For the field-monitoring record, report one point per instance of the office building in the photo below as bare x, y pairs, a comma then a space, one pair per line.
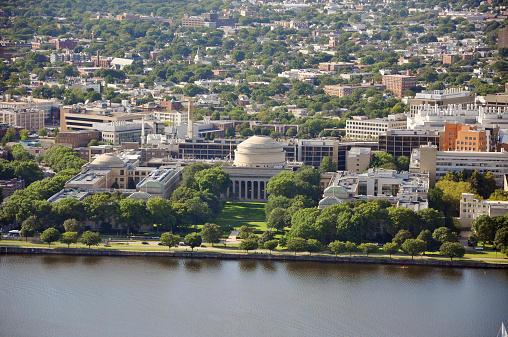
361, 127
75, 139
440, 98
342, 90
402, 142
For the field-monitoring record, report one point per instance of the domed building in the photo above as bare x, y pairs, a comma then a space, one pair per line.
107, 160
260, 151
257, 159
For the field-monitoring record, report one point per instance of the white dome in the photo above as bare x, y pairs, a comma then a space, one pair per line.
259, 151
107, 160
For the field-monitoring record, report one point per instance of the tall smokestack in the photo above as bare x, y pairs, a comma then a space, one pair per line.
142, 130
190, 120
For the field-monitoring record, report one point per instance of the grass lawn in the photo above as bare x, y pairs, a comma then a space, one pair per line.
252, 211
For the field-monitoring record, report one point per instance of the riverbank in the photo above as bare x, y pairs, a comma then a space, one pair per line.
255, 256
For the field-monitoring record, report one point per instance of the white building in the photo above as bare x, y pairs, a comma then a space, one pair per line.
471, 208
360, 127
172, 116
404, 189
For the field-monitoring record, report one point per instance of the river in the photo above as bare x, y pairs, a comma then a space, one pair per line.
131, 296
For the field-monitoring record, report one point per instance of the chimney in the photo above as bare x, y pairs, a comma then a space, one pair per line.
190, 120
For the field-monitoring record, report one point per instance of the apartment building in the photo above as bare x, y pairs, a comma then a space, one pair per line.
398, 84
342, 90
173, 117
360, 127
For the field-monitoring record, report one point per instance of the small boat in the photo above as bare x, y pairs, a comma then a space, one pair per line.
404, 267
502, 332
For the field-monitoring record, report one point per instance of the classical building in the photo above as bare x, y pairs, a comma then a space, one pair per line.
257, 159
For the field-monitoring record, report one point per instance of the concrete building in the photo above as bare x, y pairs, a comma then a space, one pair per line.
360, 127
438, 163
30, 103
358, 159
92, 152
84, 117
342, 90
399, 83
32, 120
119, 132
426, 115
440, 98
75, 139
172, 116
471, 209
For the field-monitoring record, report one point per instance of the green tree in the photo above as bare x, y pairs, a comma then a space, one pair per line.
50, 235
296, 244
211, 233
29, 227
444, 234
426, 236
452, 249
338, 247
391, 248
351, 247
68, 238
413, 247
90, 238
271, 244
23, 134
132, 213
72, 225
313, 246
368, 248
161, 213
170, 240
245, 231
402, 236
302, 223
248, 244
501, 238
192, 240
43, 132
403, 163
327, 165
402, 218
282, 184
278, 219
215, 180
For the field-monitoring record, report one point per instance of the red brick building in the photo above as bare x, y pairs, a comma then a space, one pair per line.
76, 139
399, 83
65, 44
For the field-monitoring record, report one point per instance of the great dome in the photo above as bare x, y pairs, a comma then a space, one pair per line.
259, 151
108, 160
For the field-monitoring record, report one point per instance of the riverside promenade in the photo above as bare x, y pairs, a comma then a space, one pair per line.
405, 262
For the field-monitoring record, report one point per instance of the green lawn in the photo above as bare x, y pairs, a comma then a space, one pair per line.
252, 211
237, 214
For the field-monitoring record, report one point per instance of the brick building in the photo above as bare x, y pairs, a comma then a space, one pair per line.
502, 38
342, 90
399, 83
76, 139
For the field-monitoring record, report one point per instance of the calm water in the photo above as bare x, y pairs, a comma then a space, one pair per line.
96, 296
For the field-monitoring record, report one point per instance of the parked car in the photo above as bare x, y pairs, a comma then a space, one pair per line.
144, 243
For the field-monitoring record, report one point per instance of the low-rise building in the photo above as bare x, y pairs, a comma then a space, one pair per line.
471, 209
342, 90
402, 142
404, 189
9, 186
440, 98
75, 139
29, 119
398, 84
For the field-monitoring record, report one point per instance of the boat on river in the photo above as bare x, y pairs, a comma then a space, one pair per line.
502, 332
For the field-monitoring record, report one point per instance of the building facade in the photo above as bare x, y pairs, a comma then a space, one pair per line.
398, 84
360, 127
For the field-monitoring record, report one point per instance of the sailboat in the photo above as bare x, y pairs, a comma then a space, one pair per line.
502, 332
